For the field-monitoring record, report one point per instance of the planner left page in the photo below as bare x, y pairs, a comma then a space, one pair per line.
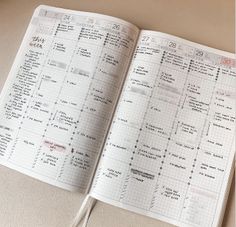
60, 94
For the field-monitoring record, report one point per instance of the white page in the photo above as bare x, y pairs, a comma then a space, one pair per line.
170, 148
59, 98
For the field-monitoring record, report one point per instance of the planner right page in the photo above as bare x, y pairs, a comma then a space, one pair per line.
170, 150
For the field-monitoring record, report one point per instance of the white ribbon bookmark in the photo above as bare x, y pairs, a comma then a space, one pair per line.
84, 212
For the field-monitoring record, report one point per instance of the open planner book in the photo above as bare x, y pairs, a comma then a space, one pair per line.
138, 119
